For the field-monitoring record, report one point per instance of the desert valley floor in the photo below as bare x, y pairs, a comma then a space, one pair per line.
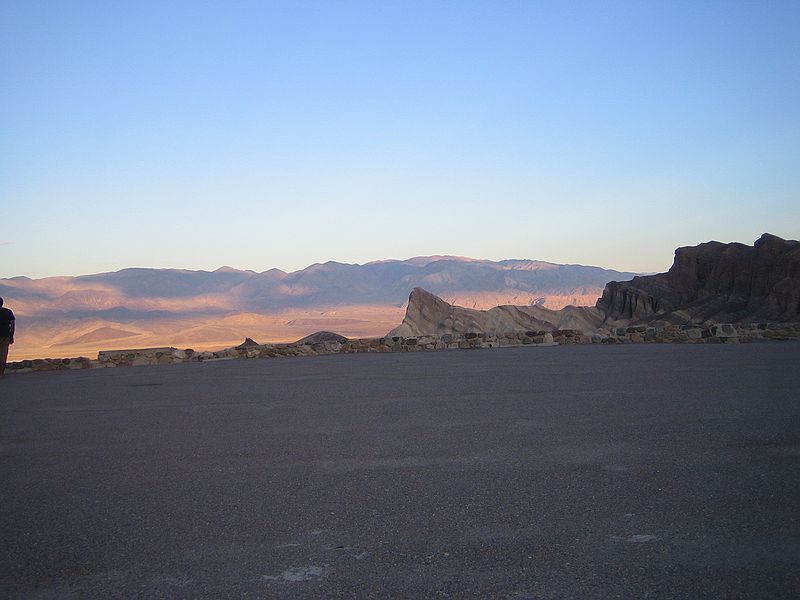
656, 471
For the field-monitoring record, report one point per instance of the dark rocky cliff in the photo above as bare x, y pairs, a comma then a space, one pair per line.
714, 282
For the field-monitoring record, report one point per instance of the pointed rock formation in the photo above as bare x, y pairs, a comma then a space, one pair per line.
427, 314
247, 343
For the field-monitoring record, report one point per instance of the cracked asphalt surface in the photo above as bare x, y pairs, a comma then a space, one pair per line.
646, 471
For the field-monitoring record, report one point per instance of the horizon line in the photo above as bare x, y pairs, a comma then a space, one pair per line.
223, 268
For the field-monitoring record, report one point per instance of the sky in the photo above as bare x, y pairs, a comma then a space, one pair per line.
279, 134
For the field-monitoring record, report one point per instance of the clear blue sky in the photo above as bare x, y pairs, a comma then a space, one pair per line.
257, 134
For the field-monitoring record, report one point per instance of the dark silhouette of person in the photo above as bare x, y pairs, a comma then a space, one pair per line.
7, 328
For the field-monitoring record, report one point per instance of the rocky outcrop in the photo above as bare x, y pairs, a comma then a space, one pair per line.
708, 284
427, 314
322, 336
714, 283
247, 343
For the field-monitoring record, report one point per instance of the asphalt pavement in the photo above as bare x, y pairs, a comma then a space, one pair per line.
640, 471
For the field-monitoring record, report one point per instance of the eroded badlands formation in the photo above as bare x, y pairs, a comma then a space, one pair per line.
707, 284
428, 314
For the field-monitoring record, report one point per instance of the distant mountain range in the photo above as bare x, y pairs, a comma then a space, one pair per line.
60, 316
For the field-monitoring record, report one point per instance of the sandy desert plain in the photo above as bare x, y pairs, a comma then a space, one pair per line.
87, 337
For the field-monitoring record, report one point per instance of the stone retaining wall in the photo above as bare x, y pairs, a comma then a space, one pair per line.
715, 334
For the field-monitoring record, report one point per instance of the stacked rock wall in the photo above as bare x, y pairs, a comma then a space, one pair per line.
721, 333
641, 334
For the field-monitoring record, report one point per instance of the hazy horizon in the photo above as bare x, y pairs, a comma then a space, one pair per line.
357, 264
322, 262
